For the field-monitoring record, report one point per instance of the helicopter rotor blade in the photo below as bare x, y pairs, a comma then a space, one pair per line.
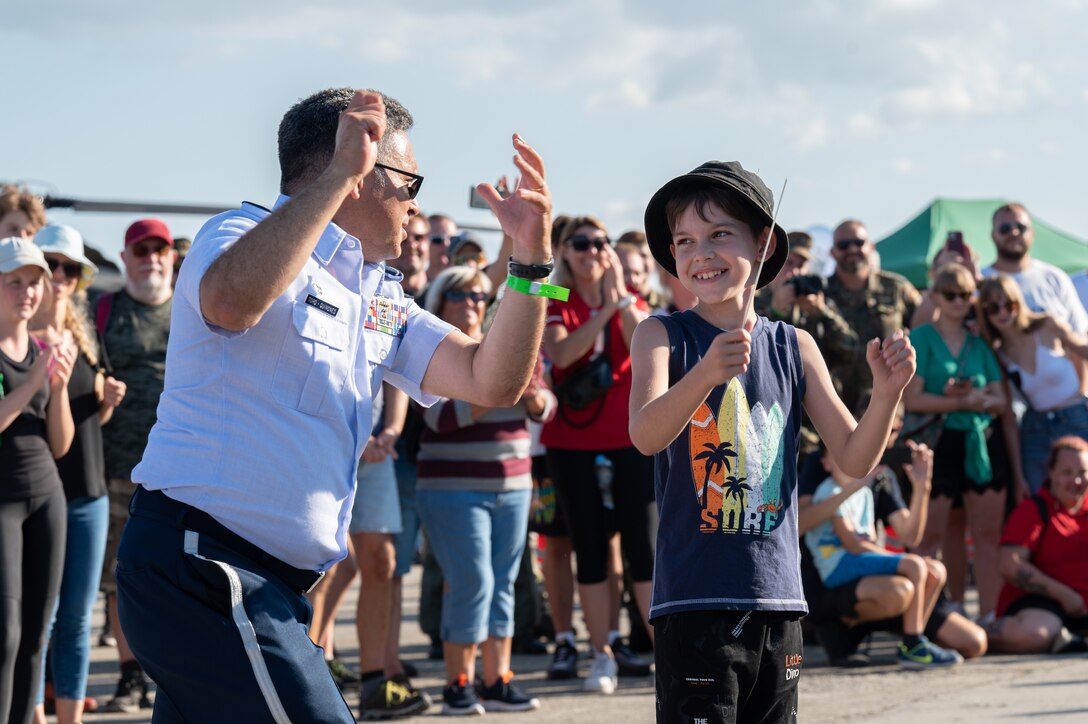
140, 207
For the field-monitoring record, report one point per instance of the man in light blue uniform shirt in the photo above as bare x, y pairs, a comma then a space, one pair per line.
285, 323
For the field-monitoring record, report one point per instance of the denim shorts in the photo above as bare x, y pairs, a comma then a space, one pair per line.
853, 566
1039, 430
478, 538
377, 502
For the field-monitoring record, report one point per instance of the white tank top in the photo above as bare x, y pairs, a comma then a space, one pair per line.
1054, 382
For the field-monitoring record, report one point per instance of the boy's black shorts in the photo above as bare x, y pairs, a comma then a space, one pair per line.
727, 666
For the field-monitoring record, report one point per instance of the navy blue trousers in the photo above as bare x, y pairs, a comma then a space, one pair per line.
224, 639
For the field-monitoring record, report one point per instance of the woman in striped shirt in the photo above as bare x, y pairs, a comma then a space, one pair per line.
473, 498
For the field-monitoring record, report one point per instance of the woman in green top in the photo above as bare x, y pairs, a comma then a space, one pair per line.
958, 380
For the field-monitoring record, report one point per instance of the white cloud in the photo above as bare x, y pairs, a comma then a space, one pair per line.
629, 95
902, 166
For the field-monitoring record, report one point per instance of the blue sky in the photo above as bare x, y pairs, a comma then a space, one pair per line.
870, 108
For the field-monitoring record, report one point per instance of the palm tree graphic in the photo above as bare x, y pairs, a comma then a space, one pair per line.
716, 456
736, 488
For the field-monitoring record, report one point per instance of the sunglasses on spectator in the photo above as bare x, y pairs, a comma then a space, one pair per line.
445, 239
844, 244
993, 307
583, 242
952, 296
415, 180
71, 269
141, 250
1007, 228
460, 295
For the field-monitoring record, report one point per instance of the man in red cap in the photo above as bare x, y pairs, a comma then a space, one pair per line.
135, 324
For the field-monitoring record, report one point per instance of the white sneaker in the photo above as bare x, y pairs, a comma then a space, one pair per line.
602, 675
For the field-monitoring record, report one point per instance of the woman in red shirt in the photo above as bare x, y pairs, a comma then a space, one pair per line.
598, 320
1044, 604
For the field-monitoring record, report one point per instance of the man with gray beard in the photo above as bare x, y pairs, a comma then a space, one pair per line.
135, 325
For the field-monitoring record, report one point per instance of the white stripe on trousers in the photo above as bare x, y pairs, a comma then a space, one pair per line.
245, 629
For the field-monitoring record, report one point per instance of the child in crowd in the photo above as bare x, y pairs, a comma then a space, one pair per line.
716, 397
845, 549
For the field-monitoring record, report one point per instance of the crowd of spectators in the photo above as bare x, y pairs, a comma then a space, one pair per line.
991, 453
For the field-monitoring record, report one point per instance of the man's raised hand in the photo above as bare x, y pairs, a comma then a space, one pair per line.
526, 214
361, 126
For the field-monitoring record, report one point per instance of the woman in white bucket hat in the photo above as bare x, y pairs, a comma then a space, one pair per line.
62, 319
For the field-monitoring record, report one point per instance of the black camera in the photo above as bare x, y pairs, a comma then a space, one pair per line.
808, 284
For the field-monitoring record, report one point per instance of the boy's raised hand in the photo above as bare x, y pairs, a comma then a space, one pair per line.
892, 362
727, 357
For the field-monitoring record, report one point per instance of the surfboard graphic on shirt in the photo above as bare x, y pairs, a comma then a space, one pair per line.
737, 464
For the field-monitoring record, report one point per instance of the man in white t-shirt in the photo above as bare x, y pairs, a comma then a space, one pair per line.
1046, 288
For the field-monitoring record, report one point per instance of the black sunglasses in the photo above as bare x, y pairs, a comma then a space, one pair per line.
844, 244
1007, 228
460, 295
414, 184
72, 270
994, 308
953, 296
583, 242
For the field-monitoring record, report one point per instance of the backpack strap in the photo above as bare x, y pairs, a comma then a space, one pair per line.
102, 310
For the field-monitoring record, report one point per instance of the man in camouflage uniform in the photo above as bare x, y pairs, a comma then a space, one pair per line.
135, 324
874, 303
812, 312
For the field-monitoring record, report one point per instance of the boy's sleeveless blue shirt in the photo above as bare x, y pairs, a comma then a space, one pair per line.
727, 486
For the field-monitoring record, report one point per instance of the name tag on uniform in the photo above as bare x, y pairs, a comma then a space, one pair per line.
322, 305
386, 316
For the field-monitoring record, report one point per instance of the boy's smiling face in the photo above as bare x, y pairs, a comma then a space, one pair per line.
716, 256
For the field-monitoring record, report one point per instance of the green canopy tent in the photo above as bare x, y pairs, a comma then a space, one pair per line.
910, 249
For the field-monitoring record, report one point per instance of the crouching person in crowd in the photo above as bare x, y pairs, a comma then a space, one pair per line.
842, 616
1044, 603
844, 548
475, 483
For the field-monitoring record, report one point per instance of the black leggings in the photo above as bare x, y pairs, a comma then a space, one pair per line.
574, 474
32, 535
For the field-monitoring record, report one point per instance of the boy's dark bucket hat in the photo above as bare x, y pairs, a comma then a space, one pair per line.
730, 175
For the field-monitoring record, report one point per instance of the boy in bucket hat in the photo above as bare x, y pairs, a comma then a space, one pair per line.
716, 397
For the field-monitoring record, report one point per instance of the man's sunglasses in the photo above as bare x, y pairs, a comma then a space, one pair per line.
72, 269
994, 307
1007, 228
952, 296
582, 243
141, 250
844, 244
460, 295
414, 184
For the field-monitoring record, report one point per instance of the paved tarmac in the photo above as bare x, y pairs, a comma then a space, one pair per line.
995, 689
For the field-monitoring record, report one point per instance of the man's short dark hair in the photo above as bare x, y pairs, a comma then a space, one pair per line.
1011, 206
307, 135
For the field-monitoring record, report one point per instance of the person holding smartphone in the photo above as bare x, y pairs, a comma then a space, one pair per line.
959, 380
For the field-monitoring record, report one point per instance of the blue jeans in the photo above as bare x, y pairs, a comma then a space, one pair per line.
478, 539
1039, 430
70, 627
